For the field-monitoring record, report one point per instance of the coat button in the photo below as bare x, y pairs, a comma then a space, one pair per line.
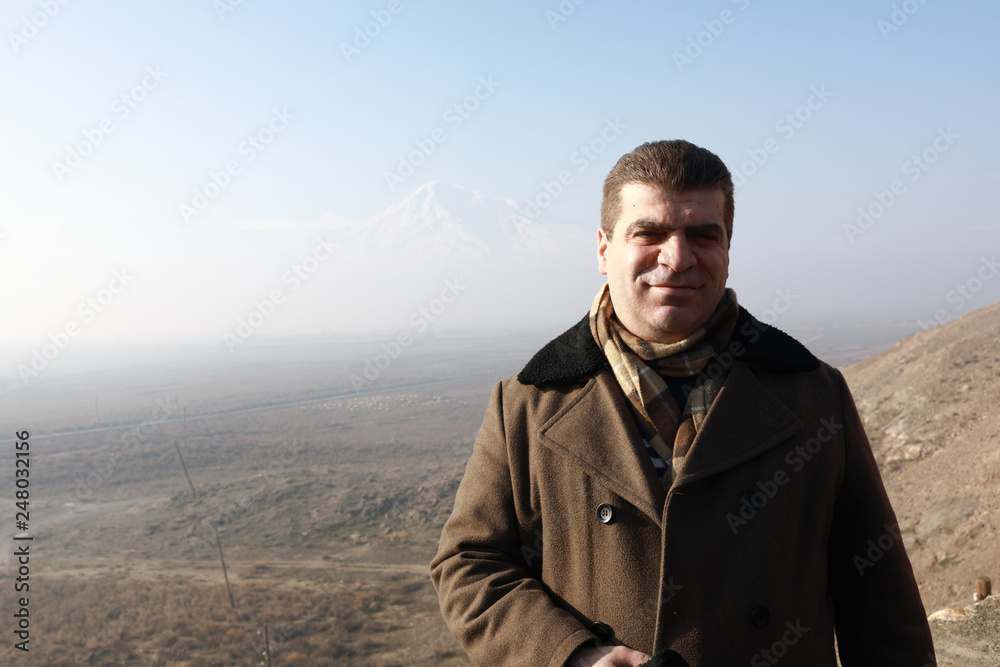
605, 513
605, 633
753, 499
760, 616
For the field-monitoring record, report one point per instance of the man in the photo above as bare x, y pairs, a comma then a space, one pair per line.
671, 473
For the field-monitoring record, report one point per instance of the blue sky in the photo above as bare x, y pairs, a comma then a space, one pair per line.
881, 93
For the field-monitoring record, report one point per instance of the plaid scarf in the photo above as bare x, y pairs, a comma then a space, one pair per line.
639, 365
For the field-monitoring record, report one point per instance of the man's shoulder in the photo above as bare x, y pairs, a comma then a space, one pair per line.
573, 356
769, 348
569, 358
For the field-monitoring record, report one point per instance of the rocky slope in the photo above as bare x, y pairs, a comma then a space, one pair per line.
930, 410
968, 636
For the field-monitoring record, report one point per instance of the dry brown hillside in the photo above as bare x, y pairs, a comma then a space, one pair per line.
930, 407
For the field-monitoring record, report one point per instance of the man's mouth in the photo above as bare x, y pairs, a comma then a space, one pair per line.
679, 288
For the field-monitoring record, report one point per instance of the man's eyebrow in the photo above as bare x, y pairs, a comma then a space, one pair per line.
656, 225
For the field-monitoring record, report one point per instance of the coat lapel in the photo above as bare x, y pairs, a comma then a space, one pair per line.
599, 434
744, 421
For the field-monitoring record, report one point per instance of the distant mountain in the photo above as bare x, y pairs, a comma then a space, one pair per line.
930, 410
514, 272
453, 224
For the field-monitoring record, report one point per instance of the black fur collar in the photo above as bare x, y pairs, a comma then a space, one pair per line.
573, 355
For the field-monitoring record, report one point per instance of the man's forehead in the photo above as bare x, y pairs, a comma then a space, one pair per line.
637, 193
649, 206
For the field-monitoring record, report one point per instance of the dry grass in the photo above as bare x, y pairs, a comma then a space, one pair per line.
101, 620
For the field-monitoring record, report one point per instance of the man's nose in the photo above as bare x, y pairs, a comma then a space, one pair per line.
676, 253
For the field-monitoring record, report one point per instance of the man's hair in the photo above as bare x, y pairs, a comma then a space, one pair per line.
677, 166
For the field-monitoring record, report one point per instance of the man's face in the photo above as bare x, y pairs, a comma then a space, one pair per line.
667, 262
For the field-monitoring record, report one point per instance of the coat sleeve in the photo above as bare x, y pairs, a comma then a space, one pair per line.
496, 609
880, 619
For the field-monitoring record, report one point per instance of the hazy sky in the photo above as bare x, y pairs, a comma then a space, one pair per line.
172, 161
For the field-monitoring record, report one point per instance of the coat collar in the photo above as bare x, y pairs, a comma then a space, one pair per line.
745, 420
574, 355
598, 413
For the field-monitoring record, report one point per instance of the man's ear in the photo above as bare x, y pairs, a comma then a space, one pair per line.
602, 248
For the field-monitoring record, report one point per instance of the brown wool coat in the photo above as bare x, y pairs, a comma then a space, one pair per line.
776, 533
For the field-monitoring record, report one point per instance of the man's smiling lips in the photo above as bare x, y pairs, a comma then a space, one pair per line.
671, 288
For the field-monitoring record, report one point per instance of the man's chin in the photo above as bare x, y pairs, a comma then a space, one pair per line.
669, 324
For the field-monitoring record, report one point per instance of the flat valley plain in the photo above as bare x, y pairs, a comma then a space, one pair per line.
326, 497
